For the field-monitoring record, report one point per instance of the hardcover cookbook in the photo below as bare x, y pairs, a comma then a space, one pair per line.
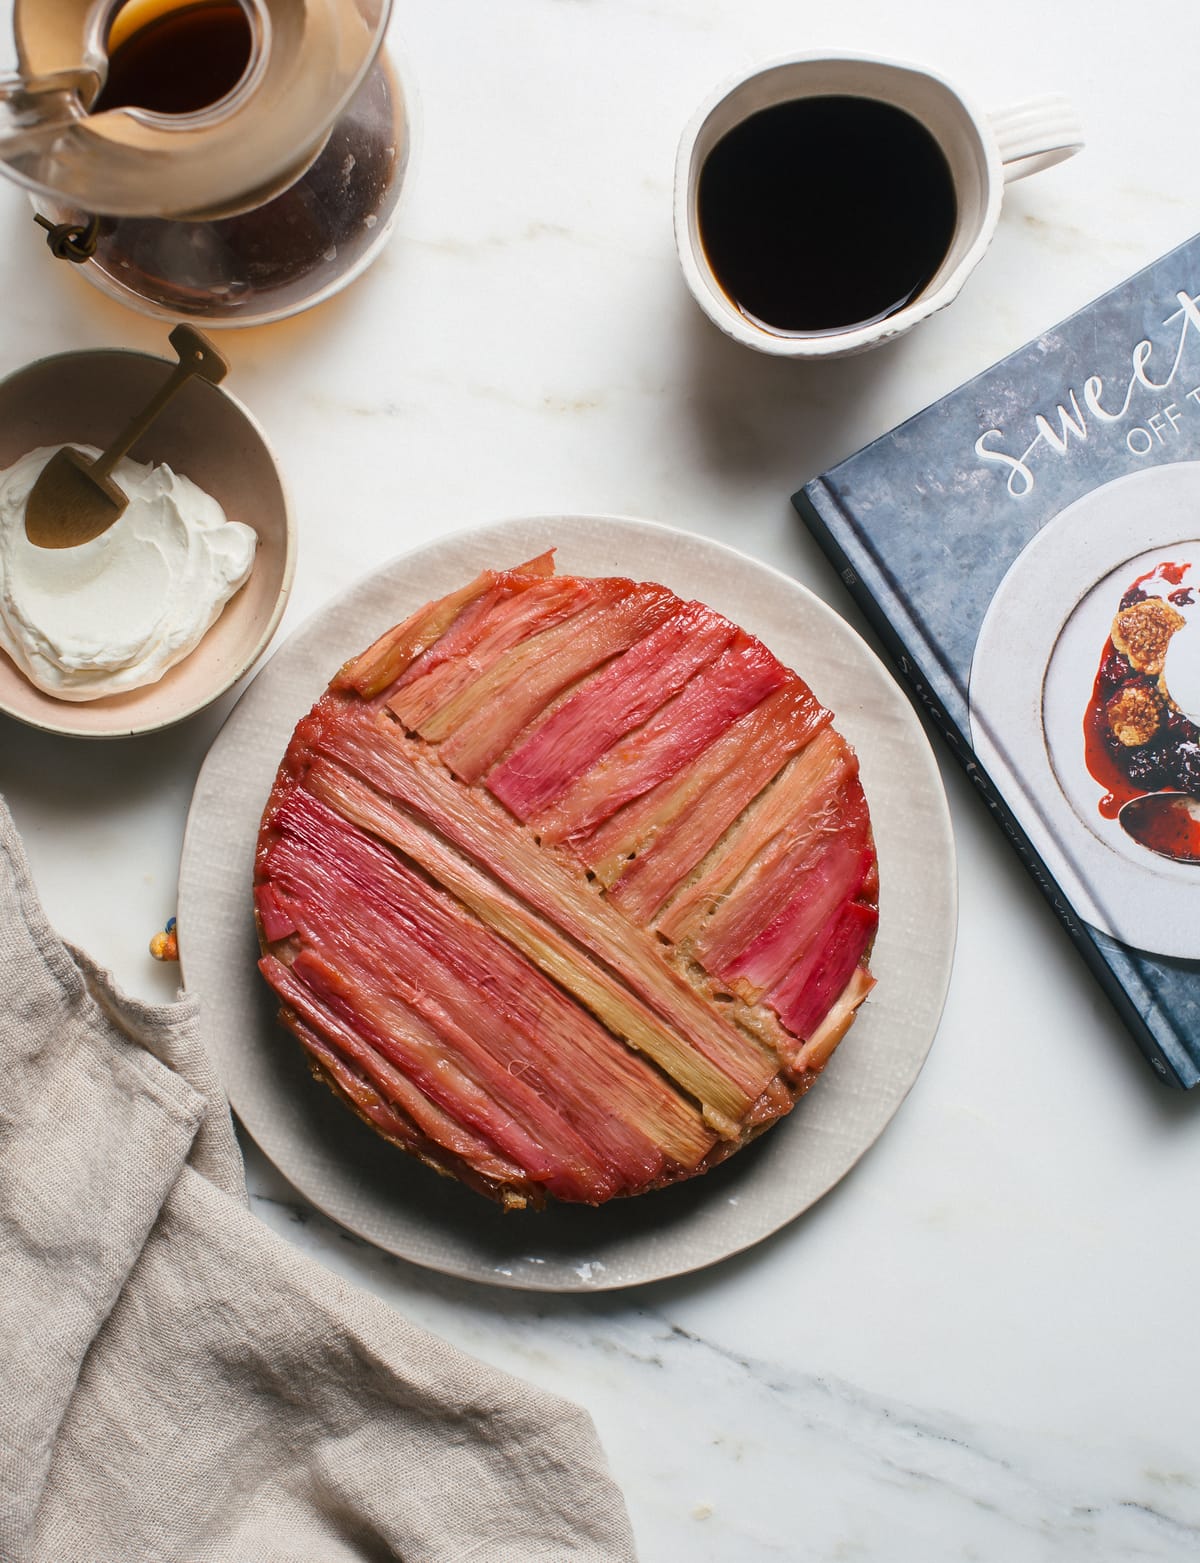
1028, 550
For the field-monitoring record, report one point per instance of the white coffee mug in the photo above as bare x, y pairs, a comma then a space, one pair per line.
984, 152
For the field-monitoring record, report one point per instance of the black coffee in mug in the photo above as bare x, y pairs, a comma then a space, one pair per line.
824, 213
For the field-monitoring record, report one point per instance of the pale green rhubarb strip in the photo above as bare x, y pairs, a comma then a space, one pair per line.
476, 642
818, 1050
713, 698
784, 807
477, 726
835, 876
836, 864
490, 1033
375, 669
823, 817
606, 707
570, 932
647, 850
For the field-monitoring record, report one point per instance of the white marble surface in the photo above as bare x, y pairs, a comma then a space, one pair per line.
982, 1345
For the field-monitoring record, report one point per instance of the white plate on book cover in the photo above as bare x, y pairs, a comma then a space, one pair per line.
372, 1189
1032, 677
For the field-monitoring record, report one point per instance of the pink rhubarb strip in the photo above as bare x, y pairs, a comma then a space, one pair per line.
829, 836
605, 707
742, 675
804, 997
651, 846
375, 669
477, 641
490, 714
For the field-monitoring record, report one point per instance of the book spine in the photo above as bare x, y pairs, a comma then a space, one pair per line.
926, 700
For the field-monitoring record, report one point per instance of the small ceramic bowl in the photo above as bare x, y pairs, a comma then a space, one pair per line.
205, 434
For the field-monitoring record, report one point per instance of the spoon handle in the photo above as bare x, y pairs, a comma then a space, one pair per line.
197, 356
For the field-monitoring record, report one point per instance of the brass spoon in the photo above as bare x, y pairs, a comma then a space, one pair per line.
1166, 822
75, 498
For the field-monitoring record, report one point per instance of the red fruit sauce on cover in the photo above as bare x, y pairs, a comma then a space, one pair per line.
1128, 772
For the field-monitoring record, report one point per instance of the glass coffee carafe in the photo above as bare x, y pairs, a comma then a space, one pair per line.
228, 161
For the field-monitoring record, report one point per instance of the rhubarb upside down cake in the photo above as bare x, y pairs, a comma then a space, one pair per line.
567, 886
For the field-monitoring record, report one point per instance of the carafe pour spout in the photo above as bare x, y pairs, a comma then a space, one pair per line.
36, 110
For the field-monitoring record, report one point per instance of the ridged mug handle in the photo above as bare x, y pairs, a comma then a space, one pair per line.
1035, 134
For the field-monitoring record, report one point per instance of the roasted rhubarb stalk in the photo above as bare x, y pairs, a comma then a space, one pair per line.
567, 887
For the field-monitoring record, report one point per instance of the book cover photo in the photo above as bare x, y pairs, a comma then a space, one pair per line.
1028, 550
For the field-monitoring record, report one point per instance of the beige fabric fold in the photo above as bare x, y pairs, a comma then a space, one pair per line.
177, 1384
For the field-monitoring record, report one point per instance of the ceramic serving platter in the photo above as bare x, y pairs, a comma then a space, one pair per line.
375, 1191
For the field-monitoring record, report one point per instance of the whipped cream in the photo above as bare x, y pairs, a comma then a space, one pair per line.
1181, 670
115, 613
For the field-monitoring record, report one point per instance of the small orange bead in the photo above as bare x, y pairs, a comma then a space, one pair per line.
165, 946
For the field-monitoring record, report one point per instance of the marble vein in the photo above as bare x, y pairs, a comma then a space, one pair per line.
875, 1476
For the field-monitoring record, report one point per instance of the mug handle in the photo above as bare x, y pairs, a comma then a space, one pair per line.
1035, 134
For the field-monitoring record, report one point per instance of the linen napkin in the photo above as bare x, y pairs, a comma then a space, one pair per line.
179, 1385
